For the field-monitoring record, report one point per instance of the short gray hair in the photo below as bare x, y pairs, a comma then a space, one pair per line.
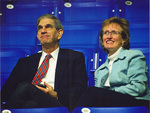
58, 25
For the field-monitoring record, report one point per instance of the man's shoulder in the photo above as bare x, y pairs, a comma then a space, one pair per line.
70, 51
33, 56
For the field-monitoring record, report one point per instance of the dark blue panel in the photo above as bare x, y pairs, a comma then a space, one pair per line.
137, 12
18, 38
88, 14
80, 36
139, 36
24, 16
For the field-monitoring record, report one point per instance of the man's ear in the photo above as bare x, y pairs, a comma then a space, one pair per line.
60, 33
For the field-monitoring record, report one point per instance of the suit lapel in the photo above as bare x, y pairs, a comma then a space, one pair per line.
34, 62
61, 62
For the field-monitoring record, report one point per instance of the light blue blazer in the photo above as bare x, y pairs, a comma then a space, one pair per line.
128, 75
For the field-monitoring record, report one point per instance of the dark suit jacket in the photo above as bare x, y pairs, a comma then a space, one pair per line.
70, 78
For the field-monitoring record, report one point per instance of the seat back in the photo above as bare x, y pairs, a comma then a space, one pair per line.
9, 58
139, 109
37, 110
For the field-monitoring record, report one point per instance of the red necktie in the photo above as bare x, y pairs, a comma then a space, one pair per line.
41, 71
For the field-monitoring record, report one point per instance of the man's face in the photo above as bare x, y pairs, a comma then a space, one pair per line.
47, 33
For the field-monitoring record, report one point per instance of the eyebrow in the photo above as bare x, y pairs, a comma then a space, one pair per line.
47, 25
110, 31
39, 26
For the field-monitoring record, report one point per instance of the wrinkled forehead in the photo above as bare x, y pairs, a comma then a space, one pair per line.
46, 21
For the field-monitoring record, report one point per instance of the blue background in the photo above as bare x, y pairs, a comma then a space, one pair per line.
82, 23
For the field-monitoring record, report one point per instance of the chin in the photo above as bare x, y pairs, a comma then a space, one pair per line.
109, 47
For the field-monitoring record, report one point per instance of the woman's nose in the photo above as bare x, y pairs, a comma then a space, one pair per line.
109, 35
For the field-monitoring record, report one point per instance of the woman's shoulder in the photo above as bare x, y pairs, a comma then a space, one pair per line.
132, 52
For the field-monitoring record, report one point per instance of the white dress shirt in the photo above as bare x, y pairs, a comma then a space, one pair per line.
50, 75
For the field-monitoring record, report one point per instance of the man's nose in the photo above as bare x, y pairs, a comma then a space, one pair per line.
43, 31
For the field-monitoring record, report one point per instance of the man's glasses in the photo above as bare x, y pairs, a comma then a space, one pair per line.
113, 33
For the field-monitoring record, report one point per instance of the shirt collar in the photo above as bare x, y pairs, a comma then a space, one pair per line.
54, 54
122, 55
114, 56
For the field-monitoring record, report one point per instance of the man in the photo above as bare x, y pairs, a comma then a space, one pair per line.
65, 78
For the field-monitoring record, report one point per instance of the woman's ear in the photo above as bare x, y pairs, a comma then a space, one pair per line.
122, 42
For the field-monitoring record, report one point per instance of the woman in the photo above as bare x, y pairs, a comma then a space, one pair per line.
122, 80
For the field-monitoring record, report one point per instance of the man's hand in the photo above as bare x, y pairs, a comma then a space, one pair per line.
49, 89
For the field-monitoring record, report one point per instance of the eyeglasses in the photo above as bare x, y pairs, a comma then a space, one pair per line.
113, 33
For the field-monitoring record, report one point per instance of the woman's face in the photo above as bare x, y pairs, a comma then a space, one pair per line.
112, 39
